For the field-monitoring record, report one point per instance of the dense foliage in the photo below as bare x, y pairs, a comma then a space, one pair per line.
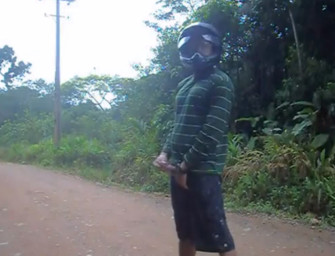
280, 55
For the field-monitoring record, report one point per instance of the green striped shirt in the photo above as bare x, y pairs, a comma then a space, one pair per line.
202, 113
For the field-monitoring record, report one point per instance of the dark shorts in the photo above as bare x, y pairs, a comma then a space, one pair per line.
199, 214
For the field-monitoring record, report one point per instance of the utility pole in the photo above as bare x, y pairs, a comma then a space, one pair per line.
57, 105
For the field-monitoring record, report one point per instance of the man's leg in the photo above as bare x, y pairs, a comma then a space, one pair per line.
183, 218
212, 232
230, 253
186, 248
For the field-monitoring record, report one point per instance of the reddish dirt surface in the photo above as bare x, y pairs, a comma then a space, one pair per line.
45, 213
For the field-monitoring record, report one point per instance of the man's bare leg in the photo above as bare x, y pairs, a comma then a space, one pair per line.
186, 248
230, 253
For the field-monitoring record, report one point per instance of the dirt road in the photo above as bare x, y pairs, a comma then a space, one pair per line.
44, 213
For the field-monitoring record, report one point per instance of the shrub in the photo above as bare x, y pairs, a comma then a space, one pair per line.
288, 176
29, 129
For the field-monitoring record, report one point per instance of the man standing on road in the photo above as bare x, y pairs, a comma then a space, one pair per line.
195, 151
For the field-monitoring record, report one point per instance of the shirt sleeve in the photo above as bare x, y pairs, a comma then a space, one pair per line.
215, 126
167, 145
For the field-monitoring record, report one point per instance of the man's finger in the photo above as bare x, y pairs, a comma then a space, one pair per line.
164, 166
158, 162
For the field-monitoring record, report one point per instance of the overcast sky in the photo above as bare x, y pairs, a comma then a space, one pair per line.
100, 36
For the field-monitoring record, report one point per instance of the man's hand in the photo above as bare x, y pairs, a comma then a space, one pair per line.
161, 162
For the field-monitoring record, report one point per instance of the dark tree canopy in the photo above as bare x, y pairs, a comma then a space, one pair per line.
10, 68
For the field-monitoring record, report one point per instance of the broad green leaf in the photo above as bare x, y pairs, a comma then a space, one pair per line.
252, 120
320, 140
252, 143
303, 103
285, 104
267, 131
298, 128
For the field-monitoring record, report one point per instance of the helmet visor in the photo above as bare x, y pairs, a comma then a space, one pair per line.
188, 46
213, 39
183, 41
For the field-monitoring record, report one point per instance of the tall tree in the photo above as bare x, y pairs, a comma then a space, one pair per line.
10, 69
101, 90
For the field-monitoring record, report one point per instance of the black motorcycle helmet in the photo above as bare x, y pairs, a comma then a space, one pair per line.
187, 46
